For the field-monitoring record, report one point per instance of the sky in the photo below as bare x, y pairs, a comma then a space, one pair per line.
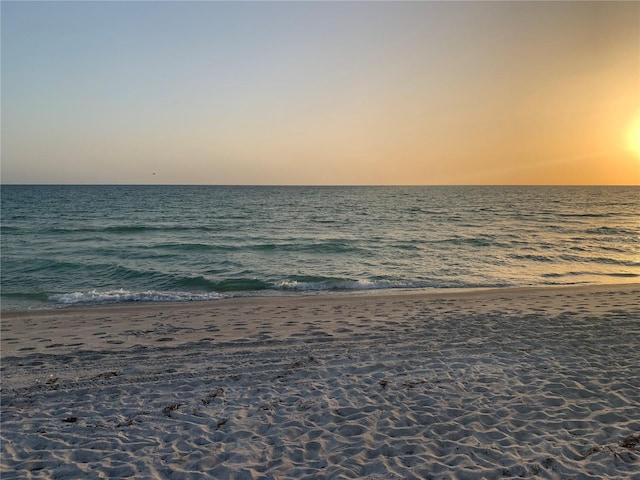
320, 93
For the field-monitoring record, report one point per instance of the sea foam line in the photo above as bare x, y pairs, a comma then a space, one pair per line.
122, 295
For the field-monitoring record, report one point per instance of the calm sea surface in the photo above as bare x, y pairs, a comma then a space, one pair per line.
107, 244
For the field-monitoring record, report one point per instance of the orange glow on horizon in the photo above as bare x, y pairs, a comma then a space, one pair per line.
633, 136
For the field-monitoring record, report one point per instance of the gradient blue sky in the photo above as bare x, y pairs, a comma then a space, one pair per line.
321, 92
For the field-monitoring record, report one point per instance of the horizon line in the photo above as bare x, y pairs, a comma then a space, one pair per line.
323, 185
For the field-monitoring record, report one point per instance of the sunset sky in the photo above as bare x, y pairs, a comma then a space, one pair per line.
321, 92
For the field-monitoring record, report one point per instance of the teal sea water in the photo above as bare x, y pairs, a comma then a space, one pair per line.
64, 245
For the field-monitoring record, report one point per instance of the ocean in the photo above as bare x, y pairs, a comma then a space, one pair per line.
72, 245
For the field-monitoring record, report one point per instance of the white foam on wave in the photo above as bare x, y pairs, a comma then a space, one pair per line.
122, 296
324, 285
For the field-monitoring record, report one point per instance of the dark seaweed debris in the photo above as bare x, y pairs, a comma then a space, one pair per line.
630, 442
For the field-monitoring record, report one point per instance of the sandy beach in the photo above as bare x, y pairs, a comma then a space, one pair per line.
505, 383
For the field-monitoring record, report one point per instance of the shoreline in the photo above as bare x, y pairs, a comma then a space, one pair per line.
320, 295
21, 330
509, 382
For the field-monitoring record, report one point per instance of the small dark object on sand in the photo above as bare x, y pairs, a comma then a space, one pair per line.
222, 422
105, 376
219, 391
171, 408
630, 442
